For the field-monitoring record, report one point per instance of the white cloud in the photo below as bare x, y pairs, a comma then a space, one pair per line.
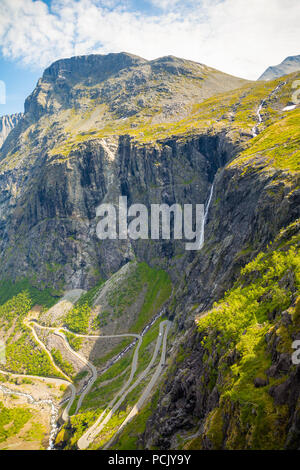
237, 36
165, 4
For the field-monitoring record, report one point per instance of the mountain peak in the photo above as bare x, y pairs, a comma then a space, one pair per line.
89, 65
288, 65
125, 84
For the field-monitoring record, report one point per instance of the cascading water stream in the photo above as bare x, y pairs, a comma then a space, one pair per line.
205, 216
259, 116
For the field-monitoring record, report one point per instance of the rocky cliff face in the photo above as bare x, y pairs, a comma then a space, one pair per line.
200, 406
7, 123
57, 210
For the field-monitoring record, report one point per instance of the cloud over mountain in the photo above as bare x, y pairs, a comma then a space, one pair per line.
235, 36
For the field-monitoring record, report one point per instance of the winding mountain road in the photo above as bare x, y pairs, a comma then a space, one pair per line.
65, 414
94, 430
87, 363
87, 438
146, 393
58, 332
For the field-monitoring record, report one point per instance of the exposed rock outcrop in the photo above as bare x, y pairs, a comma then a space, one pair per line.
7, 123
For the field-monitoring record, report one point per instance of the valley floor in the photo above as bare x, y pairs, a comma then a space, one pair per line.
110, 420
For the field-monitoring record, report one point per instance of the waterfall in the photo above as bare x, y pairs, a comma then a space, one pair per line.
259, 116
205, 216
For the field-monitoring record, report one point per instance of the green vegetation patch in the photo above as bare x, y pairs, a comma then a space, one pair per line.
237, 327
278, 145
36, 432
15, 309
64, 365
78, 318
23, 355
12, 420
110, 428
9, 289
78, 425
153, 284
74, 341
129, 437
99, 361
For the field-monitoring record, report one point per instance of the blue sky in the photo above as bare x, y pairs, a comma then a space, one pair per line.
19, 81
240, 37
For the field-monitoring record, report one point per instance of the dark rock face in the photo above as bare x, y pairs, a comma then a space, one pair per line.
55, 215
259, 382
243, 216
189, 395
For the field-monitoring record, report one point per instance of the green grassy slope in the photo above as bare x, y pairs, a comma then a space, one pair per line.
248, 324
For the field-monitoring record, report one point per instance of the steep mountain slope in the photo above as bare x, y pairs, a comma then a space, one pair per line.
7, 123
288, 65
231, 381
67, 154
168, 131
233, 384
